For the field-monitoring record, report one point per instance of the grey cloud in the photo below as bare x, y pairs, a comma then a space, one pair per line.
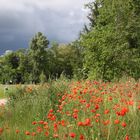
18, 26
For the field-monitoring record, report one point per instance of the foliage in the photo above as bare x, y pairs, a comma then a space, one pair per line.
15, 67
37, 53
39, 63
77, 59
112, 44
42, 78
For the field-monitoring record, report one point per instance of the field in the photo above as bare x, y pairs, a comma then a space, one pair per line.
2, 91
66, 110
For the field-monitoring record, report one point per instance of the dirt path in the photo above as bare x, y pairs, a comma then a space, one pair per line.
3, 101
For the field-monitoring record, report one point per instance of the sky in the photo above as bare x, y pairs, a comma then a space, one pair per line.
59, 20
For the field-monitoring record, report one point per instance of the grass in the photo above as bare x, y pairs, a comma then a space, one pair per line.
65, 110
2, 95
6, 89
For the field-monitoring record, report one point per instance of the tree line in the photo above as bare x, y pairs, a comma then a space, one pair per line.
108, 48
39, 62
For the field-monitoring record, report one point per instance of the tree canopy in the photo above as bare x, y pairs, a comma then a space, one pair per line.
112, 46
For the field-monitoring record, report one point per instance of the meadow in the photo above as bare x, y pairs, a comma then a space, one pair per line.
2, 91
66, 110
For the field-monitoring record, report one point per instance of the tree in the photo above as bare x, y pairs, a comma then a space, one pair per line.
16, 66
10, 63
24, 67
112, 45
76, 59
62, 57
93, 14
38, 54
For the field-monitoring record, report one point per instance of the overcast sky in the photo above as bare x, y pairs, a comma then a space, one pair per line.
59, 20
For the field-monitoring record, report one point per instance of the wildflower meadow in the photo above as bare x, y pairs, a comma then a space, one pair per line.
66, 110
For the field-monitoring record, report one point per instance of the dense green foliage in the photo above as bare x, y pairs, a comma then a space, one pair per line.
37, 54
112, 44
39, 62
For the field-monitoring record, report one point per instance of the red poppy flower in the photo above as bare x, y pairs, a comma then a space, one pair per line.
81, 137
39, 129
27, 133
55, 125
116, 121
55, 135
1, 131
96, 106
87, 122
41, 122
63, 123
75, 115
17, 131
46, 133
106, 122
106, 111
33, 123
72, 135
124, 124
80, 124
127, 137
33, 134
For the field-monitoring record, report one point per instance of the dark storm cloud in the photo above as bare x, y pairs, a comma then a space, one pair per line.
19, 21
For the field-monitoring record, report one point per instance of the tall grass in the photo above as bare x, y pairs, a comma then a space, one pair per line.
2, 95
29, 103
5, 90
80, 110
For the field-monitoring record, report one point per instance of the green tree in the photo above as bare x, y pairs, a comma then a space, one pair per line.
9, 66
24, 67
76, 59
62, 60
38, 55
93, 14
112, 45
